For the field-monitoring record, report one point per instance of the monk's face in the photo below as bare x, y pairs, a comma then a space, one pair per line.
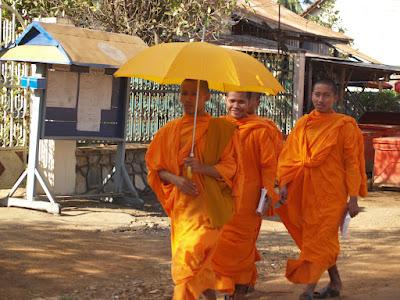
188, 97
237, 104
323, 97
254, 102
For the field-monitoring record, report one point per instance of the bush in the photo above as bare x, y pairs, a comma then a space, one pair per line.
380, 101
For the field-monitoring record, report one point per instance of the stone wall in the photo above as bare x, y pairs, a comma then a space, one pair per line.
12, 164
95, 163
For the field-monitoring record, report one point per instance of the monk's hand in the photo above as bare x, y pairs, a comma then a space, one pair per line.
186, 186
352, 206
283, 193
194, 164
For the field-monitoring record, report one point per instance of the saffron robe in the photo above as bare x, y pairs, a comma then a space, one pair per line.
193, 238
236, 254
322, 163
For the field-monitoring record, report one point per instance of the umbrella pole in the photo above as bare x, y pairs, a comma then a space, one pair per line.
191, 154
195, 118
197, 101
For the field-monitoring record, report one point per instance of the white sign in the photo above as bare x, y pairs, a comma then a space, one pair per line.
62, 89
95, 91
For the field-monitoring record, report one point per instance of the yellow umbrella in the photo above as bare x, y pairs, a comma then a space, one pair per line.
223, 68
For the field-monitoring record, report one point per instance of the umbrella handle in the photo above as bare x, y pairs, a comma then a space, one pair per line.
189, 173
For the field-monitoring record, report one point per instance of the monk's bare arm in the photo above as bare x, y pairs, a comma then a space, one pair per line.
352, 169
185, 185
202, 169
268, 159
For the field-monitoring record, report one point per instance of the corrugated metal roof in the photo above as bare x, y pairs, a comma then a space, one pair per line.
347, 49
80, 46
359, 71
250, 43
268, 11
382, 67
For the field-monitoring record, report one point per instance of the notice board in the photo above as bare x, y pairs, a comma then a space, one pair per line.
88, 104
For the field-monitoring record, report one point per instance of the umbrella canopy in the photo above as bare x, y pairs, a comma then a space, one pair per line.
224, 69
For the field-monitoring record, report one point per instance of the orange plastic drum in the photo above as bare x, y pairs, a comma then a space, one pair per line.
387, 161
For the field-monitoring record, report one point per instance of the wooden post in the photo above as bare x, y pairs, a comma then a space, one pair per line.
298, 84
309, 86
342, 79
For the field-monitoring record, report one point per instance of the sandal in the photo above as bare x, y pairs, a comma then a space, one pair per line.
327, 292
306, 296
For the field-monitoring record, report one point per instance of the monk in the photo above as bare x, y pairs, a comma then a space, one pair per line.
236, 254
321, 173
254, 102
190, 187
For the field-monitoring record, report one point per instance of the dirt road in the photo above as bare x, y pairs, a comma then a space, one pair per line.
103, 251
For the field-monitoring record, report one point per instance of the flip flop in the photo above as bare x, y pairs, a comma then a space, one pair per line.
327, 292
306, 296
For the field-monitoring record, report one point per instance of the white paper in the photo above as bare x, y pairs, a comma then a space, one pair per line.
344, 227
95, 93
62, 89
262, 202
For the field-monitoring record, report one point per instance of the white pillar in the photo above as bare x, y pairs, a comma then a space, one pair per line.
57, 162
298, 84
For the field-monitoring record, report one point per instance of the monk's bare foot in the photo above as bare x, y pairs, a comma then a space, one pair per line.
306, 296
334, 276
308, 292
327, 292
210, 295
240, 291
335, 286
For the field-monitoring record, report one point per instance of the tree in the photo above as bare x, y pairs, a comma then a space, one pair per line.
293, 5
153, 21
328, 16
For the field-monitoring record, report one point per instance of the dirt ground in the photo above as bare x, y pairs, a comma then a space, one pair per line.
97, 250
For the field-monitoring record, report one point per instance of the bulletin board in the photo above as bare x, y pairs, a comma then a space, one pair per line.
84, 104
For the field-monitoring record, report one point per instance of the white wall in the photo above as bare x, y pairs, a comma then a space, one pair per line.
375, 27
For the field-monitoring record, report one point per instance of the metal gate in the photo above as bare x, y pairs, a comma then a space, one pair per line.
14, 104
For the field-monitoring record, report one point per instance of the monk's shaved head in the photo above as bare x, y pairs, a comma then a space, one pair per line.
329, 83
203, 84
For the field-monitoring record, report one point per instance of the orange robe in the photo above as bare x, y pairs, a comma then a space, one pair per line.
236, 254
322, 163
193, 239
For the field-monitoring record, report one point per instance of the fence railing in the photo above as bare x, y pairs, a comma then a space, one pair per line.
353, 105
14, 104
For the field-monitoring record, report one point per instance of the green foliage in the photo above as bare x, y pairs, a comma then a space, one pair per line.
154, 21
328, 16
293, 5
380, 101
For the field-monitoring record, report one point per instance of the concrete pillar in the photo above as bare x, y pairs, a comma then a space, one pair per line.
298, 84
57, 162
